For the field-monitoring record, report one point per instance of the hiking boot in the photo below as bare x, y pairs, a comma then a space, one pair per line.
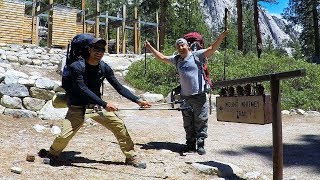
52, 160
42, 153
136, 162
201, 150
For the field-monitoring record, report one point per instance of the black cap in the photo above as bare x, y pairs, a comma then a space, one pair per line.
98, 41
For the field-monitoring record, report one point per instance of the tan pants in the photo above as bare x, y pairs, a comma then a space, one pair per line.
74, 120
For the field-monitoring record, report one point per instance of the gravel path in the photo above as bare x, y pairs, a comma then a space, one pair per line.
158, 136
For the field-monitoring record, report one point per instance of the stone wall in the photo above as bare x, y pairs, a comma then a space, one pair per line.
28, 95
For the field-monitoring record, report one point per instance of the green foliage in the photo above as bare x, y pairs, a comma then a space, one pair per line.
159, 77
305, 14
302, 92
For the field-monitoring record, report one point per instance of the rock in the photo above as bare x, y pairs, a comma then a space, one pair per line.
39, 128
11, 102
219, 168
152, 97
50, 113
14, 90
33, 104
300, 112
206, 169
44, 83
30, 158
55, 130
16, 169
285, 112
17, 113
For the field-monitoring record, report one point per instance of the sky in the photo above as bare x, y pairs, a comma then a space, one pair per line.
275, 8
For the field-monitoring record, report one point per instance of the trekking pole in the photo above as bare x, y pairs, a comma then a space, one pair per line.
225, 42
167, 109
173, 102
145, 60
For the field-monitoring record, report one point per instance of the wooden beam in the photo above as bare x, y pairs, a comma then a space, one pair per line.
124, 29
106, 28
255, 79
97, 19
118, 37
139, 38
33, 20
135, 29
50, 23
83, 17
44, 9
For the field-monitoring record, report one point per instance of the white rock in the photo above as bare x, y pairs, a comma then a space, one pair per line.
300, 111
39, 128
55, 130
285, 112
16, 169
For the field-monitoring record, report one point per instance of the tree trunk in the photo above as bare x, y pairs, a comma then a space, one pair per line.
162, 22
257, 27
240, 24
316, 29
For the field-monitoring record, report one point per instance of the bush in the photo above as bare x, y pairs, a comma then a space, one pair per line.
158, 77
302, 92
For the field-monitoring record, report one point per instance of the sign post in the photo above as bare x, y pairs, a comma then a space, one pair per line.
246, 109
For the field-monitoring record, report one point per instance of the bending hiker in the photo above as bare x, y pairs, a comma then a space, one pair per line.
193, 89
87, 75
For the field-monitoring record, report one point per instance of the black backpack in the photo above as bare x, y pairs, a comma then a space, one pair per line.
77, 50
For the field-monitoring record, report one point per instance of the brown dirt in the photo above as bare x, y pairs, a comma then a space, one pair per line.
94, 153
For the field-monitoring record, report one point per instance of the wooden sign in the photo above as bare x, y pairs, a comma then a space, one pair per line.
245, 109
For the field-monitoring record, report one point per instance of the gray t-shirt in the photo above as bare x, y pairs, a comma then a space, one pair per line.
191, 77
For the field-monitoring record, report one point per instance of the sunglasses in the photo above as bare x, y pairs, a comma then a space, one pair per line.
99, 49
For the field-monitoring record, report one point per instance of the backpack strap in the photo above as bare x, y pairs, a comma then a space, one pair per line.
200, 67
102, 68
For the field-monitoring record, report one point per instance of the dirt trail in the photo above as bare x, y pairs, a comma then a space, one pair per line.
158, 136
94, 153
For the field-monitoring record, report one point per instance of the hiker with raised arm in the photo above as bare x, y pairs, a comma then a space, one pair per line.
86, 74
193, 89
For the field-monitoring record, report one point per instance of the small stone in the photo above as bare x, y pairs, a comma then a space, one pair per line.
16, 169
30, 158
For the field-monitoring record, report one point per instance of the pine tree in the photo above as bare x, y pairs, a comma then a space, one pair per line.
305, 14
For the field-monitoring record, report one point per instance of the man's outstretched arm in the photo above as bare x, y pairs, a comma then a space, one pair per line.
158, 55
215, 45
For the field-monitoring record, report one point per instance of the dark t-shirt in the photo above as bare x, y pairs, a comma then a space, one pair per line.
87, 80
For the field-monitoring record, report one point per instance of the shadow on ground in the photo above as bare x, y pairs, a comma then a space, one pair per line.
70, 158
174, 147
305, 153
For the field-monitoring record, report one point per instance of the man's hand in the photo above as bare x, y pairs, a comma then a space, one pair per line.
147, 44
111, 107
225, 33
144, 104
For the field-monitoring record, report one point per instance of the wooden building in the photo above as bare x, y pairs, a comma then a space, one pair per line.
64, 25
12, 21
16, 26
